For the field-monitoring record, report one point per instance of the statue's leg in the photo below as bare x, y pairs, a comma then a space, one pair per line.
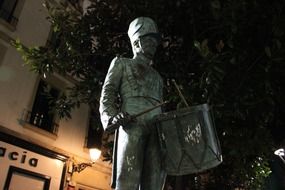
129, 158
153, 176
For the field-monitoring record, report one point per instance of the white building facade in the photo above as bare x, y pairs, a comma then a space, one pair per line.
37, 149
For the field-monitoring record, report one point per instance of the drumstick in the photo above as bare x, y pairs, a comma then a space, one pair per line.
114, 126
180, 93
149, 109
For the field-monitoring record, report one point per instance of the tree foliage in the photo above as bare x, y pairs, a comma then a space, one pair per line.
227, 53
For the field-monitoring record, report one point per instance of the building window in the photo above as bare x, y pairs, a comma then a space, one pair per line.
7, 9
3, 50
42, 115
54, 39
95, 131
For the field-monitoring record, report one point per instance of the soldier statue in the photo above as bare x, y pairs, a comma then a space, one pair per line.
136, 162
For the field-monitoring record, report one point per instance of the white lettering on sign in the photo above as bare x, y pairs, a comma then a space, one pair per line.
20, 157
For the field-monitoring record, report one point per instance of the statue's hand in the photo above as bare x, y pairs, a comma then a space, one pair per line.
121, 119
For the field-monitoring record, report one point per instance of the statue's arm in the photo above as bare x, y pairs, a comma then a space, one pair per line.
110, 91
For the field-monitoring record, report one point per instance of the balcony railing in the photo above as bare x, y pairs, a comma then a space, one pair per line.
39, 120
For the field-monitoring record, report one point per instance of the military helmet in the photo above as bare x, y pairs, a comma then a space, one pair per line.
142, 26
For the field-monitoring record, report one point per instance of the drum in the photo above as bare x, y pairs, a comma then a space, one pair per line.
188, 140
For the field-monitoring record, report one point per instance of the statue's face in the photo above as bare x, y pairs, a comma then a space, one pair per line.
147, 45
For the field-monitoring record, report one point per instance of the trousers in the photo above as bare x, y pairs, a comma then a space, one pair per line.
138, 159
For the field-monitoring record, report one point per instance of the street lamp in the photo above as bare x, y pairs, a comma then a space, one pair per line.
281, 153
94, 155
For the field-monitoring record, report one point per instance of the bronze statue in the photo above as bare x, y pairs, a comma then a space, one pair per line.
137, 163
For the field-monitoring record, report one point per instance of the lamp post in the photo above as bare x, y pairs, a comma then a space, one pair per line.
277, 180
94, 155
281, 153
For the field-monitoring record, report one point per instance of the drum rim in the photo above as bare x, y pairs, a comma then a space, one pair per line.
181, 112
